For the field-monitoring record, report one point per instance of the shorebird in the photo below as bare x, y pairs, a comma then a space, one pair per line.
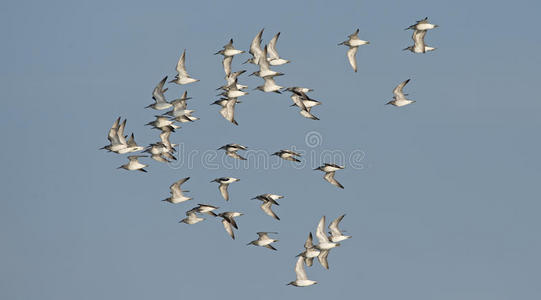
422, 25
336, 234
186, 116
353, 43
161, 121
229, 222
232, 91
270, 85
264, 240
287, 155
310, 251
176, 193
224, 184
329, 170
255, 49
228, 108
112, 136
305, 103
159, 98
419, 45
399, 98
117, 140
302, 278
231, 150
232, 78
179, 106
164, 137
205, 209
264, 67
191, 218
324, 245
134, 164
182, 77
131, 146
228, 50
274, 59
160, 152
298, 89
268, 200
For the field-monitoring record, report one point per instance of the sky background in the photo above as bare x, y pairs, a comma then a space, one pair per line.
444, 203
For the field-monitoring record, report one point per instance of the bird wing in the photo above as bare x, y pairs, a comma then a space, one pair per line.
309, 244
320, 232
273, 54
419, 40
255, 47
335, 231
131, 141
164, 137
329, 176
181, 67
351, 57
223, 190
120, 133
322, 257
299, 269
266, 207
263, 63
157, 93
398, 93
175, 187
112, 136
270, 247
227, 64
354, 34
228, 228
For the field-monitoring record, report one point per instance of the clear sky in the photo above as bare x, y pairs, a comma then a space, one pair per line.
442, 203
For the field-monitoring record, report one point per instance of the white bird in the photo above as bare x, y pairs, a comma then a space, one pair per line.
268, 201
255, 49
399, 98
353, 43
161, 121
224, 184
179, 106
159, 97
287, 155
329, 170
231, 150
131, 146
336, 234
205, 209
228, 108
229, 222
422, 25
191, 218
182, 77
299, 89
176, 193
232, 78
112, 135
274, 59
160, 152
305, 103
310, 251
264, 240
302, 279
419, 45
270, 85
134, 164
268, 198
324, 245
232, 91
264, 67
229, 50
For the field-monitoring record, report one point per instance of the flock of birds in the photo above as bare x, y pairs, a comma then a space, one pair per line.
264, 57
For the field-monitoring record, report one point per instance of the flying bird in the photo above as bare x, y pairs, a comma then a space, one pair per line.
336, 234
231, 150
274, 59
310, 251
268, 200
264, 240
131, 146
422, 25
264, 67
270, 85
287, 155
159, 97
177, 195
399, 98
353, 43
182, 77
324, 245
329, 170
229, 222
205, 209
224, 184
302, 279
191, 218
255, 49
419, 45
134, 164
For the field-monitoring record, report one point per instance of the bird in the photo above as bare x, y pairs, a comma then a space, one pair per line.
422, 25
399, 98
205, 209
255, 49
419, 45
160, 152
324, 244
274, 59
131, 146
161, 121
176, 193
310, 251
264, 67
305, 103
164, 137
229, 222
336, 234
159, 97
270, 85
302, 279
232, 91
112, 135
120, 142
228, 108
231, 78
224, 184
264, 240
134, 164
182, 77
268, 201
268, 198
329, 170
298, 89
191, 218
353, 43
179, 106
287, 155
231, 150
229, 50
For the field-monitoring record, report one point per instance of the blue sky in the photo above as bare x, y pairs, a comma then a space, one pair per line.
441, 206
